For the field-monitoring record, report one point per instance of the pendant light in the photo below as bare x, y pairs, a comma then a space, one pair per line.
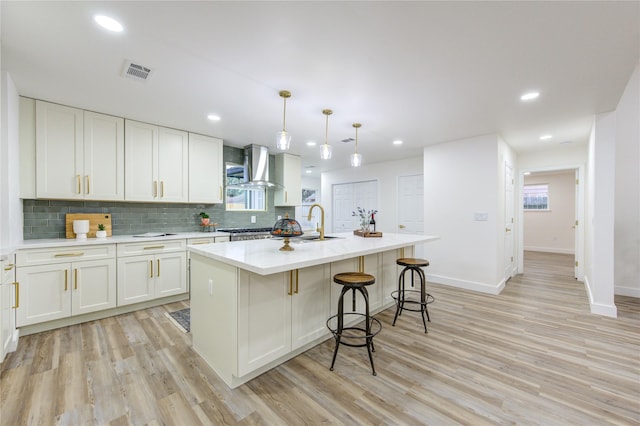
283, 139
325, 152
356, 159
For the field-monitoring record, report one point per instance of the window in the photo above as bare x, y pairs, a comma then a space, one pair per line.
536, 197
308, 198
242, 199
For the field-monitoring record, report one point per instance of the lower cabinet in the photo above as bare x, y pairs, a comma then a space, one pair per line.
148, 277
53, 291
8, 303
279, 313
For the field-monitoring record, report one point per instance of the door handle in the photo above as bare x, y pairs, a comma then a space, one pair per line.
401, 226
66, 279
88, 187
158, 272
151, 269
78, 179
161, 189
75, 279
507, 229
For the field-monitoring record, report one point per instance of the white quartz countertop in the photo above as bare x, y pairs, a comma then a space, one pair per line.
264, 257
118, 239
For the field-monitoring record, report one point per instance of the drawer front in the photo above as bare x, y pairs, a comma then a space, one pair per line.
200, 241
8, 270
151, 247
65, 254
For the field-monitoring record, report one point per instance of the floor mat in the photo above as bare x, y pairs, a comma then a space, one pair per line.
181, 319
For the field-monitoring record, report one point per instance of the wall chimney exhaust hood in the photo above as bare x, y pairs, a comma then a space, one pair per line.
256, 169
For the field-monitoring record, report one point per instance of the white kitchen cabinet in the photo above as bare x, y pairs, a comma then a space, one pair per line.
79, 154
65, 285
207, 240
279, 313
8, 303
288, 169
157, 163
206, 169
148, 271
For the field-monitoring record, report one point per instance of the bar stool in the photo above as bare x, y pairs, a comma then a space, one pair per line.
354, 281
402, 296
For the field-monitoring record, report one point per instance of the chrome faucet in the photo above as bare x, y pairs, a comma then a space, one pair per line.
320, 229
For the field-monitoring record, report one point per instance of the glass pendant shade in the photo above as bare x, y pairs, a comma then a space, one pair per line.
356, 159
325, 152
283, 140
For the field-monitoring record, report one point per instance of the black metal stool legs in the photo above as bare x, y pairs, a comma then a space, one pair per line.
401, 295
339, 333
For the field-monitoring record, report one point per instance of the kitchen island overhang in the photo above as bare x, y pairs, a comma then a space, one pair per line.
254, 307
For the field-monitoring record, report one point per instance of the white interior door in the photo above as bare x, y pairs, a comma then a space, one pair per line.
509, 258
411, 208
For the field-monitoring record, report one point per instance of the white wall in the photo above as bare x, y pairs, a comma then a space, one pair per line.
552, 230
10, 205
386, 174
461, 179
627, 190
599, 218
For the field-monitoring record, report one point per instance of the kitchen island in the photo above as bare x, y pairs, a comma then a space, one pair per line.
254, 306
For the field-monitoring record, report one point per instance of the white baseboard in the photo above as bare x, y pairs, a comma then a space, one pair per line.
627, 291
467, 285
549, 250
598, 308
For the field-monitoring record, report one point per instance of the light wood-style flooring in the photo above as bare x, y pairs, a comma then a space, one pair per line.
532, 355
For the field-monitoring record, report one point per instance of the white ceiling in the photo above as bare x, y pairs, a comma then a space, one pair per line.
423, 72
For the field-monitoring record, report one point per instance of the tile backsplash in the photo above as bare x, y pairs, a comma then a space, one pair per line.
46, 218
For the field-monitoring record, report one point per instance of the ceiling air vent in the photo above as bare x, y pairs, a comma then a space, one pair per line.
347, 140
136, 71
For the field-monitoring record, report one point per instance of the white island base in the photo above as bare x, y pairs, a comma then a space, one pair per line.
248, 316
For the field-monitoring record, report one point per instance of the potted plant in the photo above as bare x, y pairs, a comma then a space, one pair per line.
101, 232
204, 218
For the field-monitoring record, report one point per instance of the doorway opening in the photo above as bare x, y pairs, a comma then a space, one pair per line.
551, 210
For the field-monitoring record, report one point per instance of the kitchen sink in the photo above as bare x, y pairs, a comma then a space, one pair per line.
310, 238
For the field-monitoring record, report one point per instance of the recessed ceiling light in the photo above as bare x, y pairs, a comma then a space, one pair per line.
311, 143
213, 117
545, 137
529, 96
108, 23
397, 142
308, 171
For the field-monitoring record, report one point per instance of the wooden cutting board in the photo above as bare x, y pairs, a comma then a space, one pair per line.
93, 218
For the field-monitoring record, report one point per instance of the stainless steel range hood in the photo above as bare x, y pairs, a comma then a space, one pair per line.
256, 168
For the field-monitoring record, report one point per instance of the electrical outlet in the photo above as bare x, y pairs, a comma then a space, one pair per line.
253, 219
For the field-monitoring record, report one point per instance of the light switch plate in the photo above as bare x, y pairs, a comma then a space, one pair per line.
481, 216
253, 219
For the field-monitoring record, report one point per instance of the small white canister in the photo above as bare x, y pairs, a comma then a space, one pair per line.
81, 229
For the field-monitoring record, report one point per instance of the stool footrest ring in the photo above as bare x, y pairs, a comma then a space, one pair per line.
355, 332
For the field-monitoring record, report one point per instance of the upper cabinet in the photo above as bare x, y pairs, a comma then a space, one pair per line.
205, 169
157, 163
288, 174
79, 154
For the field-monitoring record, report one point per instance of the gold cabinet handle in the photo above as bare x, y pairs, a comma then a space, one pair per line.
151, 269
155, 188
69, 254
66, 279
199, 242
75, 279
153, 247
296, 281
161, 189
88, 185
286, 196
507, 229
9, 267
361, 264
221, 192
17, 305
290, 283
78, 179
401, 226
158, 271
